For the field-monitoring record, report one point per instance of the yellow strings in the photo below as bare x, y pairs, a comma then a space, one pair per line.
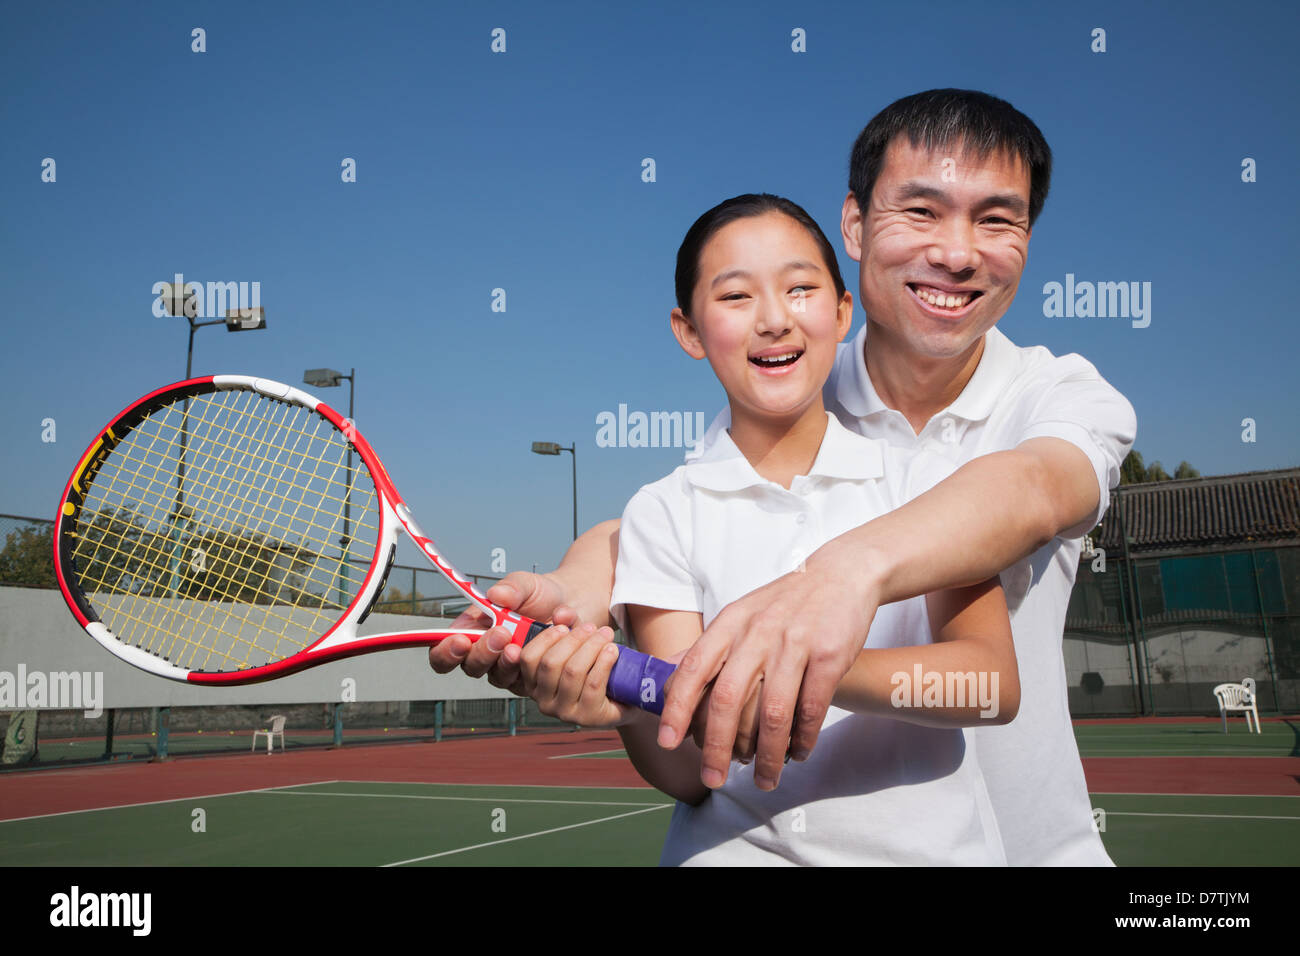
238, 563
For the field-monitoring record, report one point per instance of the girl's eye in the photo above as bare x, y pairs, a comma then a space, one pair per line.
733, 296
804, 288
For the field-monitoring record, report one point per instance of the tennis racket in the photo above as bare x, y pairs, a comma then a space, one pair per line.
218, 531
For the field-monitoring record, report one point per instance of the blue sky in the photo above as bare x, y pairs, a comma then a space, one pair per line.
522, 171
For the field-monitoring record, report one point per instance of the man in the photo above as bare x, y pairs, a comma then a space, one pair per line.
945, 187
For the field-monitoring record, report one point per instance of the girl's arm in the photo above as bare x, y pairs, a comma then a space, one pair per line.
967, 677
667, 635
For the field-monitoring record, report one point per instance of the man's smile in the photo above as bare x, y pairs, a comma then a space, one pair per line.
950, 303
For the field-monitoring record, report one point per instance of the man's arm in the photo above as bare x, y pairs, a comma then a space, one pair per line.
802, 632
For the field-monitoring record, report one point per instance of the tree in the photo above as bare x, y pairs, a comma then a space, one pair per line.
1134, 471
27, 558
120, 551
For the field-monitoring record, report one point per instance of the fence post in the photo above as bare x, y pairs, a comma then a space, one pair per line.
1268, 641
1145, 699
338, 724
437, 721
510, 713
162, 717
108, 734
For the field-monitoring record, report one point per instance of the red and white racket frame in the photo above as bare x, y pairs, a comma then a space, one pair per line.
338, 642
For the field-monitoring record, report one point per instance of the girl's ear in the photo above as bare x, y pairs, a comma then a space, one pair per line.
687, 337
844, 316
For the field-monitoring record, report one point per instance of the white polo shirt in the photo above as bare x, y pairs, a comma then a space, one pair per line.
875, 790
1031, 766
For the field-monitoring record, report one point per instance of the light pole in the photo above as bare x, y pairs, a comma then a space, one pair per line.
329, 378
181, 299
551, 448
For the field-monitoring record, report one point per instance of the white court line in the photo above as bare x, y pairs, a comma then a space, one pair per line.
488, 799
1129, 793
589, 753
1197, 816
526, 836
150, 803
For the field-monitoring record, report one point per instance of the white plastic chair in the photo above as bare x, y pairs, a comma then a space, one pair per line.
1239, 698
277, 727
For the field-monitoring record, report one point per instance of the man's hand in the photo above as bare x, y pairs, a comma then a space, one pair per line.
796, 638
536, 595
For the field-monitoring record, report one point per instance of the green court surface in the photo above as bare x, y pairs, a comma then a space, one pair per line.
422, 824
383, 824
357, 824
1143, 829
1192, 739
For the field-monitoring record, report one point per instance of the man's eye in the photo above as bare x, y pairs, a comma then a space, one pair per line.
923, 212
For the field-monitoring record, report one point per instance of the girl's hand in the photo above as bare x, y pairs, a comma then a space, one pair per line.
566, 672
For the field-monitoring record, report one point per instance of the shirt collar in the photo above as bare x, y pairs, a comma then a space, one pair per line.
716, 464
855, 393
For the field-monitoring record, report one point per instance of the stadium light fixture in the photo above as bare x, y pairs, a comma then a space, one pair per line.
183, 300
553, 448
245, 320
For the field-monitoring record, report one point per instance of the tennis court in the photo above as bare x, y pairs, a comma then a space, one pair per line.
1166, 793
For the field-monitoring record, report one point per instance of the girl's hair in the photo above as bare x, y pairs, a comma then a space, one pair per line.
743, 207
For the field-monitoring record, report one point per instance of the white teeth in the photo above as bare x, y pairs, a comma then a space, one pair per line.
775, 359
945, 301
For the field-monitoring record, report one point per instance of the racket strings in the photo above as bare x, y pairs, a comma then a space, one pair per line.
159, 553
238, 557
243, 553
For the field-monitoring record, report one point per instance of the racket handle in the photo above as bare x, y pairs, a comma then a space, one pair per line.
636, 680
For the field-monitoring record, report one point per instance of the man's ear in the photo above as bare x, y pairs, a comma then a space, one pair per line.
851, 227
687, 337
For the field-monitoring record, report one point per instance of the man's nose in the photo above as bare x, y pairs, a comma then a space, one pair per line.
953, 245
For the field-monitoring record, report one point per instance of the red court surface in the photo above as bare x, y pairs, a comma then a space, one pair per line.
522, 761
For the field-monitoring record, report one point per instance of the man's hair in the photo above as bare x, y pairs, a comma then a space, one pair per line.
744, 207
941, 119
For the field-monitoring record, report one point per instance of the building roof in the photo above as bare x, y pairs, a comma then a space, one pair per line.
1221, 511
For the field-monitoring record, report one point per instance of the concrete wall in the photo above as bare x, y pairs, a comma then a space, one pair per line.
39, 632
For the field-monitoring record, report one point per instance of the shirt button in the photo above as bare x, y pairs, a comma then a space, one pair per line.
801, 518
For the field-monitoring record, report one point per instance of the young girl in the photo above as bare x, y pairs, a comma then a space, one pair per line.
893, 779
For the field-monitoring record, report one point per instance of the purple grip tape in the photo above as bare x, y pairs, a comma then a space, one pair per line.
638, 680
